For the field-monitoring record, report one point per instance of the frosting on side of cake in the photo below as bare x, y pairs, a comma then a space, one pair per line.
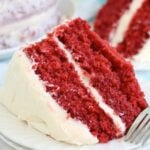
144, 55
30, 21
86, 81
28, 29
25, 96
48, 87
17, 10
118, 35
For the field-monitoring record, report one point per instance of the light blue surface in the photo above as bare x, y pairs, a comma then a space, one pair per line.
3, 68
87, 9
101, 1
144, 75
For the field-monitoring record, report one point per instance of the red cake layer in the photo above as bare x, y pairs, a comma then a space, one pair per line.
108, 17
138, 32
109, 73
64, 85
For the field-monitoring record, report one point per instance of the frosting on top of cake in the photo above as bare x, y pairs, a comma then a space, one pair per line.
39, 77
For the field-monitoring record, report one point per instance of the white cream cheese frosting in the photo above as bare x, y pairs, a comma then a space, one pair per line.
117, 36
12, 10
28, 29
24, 95
20, 24
25, 21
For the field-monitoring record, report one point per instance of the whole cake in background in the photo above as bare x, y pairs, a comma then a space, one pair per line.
126, 25
24, 21
73, 86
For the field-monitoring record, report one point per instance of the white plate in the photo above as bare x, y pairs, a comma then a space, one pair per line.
66, 10
18, 132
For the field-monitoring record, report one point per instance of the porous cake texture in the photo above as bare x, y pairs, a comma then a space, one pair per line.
126, 25
73, 86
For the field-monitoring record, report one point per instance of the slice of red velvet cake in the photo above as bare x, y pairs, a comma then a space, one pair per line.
126, 25
73, 87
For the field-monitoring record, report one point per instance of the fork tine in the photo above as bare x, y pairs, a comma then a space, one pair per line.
138, 130
141, 135
147, 135
136, 123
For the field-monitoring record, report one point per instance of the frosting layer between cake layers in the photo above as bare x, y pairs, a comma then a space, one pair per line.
123, 24
24, 94
107, 71
104, 26
47, 98
128, 28
98, 98
137, 35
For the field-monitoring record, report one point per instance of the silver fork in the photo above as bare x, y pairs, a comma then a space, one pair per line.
139, 132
